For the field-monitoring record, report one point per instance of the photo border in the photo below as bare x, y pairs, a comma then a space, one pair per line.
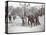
6, 15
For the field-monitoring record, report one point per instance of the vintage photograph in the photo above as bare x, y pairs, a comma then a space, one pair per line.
26, 17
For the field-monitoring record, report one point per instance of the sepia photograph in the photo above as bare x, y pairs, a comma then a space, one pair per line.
24, 17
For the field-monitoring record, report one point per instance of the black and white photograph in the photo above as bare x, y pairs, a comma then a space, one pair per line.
24, 17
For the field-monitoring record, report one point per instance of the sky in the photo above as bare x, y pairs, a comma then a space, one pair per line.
16, 4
